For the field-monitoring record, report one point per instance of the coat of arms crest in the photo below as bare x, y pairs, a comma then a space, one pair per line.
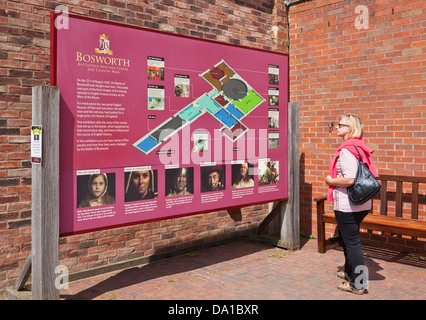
104, 45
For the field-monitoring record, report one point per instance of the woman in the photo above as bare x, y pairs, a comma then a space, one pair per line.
98, 192
343, 169
140, 186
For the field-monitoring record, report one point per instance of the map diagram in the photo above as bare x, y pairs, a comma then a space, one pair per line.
230, 100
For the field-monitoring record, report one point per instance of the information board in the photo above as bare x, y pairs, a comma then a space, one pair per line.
156, 125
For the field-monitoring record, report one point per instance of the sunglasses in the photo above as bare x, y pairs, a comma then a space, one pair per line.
331, 126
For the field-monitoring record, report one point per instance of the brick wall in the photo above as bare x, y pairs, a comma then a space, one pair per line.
25, 62
378, 73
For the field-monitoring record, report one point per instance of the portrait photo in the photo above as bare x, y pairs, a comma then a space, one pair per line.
213, 178
140, 185
95, 189
242, 175
179, 181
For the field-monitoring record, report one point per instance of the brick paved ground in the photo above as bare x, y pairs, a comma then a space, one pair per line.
251, 270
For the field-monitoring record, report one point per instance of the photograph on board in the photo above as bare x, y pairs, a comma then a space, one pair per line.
95, 190
140, 184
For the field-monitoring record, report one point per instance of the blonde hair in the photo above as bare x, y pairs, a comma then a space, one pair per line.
356, 127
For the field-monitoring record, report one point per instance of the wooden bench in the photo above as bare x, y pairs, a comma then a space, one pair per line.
382, 222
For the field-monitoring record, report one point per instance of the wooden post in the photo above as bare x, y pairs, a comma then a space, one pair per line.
290, 228
45, 195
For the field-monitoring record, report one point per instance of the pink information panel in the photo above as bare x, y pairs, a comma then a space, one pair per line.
156, 125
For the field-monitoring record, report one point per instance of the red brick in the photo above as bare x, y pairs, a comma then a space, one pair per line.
376, 72
386, 70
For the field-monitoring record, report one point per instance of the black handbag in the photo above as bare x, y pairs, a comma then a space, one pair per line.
365, 186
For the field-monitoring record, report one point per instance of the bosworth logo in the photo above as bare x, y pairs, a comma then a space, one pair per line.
103, 45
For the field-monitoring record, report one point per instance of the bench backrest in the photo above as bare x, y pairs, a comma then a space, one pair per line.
415, 181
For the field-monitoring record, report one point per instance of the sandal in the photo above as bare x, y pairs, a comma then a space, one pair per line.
342, 275
345, 286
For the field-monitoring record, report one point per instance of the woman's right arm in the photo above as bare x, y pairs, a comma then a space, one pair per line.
340, 182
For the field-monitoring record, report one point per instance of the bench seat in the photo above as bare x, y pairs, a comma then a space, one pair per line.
382, 222
395, 225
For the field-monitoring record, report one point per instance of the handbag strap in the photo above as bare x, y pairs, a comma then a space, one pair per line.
360, 158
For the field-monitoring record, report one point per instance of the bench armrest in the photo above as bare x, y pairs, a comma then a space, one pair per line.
320, 199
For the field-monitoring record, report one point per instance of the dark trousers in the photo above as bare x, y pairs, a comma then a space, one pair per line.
348, 226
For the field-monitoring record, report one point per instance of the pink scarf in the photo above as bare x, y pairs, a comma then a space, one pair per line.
363, 149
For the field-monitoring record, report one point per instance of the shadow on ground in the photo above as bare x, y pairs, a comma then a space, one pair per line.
179, 264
